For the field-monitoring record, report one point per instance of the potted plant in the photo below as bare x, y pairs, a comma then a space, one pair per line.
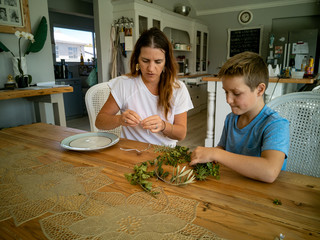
36, 43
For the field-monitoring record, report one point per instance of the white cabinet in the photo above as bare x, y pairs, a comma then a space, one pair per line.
198, 93
144, 16
201, 48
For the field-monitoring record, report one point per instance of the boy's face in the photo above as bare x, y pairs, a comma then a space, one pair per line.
239, 96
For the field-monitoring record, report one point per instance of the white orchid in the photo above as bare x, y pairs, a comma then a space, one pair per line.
27, 36
30, 37
19, 34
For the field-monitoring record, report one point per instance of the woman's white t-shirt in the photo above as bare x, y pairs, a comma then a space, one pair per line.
131, 93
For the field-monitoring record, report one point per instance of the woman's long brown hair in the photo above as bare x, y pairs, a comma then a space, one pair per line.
155, 38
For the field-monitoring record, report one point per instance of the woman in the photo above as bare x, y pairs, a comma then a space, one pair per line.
153, 104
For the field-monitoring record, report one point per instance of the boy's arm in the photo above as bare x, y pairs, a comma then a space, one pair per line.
265, 168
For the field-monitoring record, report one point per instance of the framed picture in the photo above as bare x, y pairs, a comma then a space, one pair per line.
14, 16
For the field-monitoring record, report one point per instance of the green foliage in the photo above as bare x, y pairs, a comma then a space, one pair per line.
3, 48
40, 37
174, 156
203, 170
277, 202
140, 177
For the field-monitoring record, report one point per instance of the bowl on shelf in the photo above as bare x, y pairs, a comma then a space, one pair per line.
297, 74
183, 10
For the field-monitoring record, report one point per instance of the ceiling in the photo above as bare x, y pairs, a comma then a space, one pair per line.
207, 7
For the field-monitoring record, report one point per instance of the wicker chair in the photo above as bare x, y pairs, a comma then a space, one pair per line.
302, 109
95, 98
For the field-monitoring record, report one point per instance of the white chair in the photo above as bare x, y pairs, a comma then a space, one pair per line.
95, 98
302, 109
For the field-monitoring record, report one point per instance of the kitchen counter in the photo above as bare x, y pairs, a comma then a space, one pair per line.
281, 80
193, 75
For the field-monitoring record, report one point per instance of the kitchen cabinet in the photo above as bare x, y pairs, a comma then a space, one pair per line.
73, 101
201, 48
144, 16
178, 28
198, 94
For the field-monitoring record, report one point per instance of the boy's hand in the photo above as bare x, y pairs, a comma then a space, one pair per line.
201, 155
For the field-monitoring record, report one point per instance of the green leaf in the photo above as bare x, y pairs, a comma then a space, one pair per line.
30, 78
3, 48
40, 37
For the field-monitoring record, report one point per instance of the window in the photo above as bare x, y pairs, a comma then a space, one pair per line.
70, 44
73, 52
57, 51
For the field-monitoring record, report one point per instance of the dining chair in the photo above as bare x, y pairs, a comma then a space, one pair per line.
302, 109
95, 98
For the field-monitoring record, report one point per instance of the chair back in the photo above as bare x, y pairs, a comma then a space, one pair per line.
95, 98
302, 110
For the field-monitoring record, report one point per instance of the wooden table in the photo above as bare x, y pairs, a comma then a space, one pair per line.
218, 108
42, 95
233, 207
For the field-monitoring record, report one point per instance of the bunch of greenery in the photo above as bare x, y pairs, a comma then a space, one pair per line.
203, 170
140, 176
173, 157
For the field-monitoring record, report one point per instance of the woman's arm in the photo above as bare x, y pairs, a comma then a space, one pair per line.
177, 130
265, 168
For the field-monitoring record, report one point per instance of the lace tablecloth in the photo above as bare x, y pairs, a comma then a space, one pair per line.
29, 189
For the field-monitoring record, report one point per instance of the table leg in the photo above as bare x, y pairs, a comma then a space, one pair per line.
58, 108
210, 114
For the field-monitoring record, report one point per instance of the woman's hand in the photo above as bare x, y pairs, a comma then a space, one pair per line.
130, 118
153, 123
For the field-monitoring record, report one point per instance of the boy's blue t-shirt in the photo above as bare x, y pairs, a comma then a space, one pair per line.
267, 131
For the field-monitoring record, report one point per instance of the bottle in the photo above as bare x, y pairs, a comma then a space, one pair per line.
63, 69
292, 62
186, 69
304, 64
81, 60
310, 66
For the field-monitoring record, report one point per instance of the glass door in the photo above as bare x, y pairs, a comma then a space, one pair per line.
198, 51
204, 52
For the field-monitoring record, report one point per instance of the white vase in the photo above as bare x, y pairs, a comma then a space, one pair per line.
16, 71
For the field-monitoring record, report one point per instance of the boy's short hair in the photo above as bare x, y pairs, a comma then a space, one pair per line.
249, 65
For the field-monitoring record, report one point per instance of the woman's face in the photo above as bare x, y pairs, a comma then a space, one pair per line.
151, 62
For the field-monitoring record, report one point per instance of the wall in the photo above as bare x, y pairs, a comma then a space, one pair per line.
103, 18
219, 23
75, 7
38, 63
20, 111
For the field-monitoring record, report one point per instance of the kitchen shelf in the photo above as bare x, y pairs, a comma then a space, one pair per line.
180, 50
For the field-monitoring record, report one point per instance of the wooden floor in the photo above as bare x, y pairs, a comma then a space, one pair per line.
197, 127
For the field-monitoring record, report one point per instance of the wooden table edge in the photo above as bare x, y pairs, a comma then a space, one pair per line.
21, 93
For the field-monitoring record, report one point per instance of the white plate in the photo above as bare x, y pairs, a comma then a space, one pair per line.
89, 141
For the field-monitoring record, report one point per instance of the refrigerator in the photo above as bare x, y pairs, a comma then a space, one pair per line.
288, 49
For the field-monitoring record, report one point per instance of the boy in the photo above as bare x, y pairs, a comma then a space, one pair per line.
255, 139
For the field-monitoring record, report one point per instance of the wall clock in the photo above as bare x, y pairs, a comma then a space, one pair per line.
245, 17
